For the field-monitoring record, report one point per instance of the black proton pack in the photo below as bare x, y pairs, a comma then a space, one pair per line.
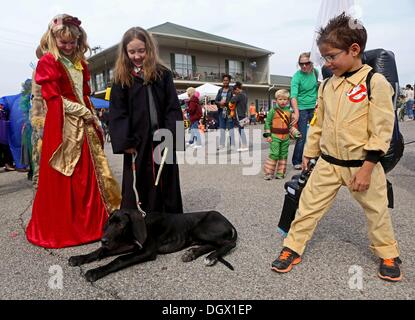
293, 189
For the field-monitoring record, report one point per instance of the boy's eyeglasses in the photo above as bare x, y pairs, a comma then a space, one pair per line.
330, 58
304, 64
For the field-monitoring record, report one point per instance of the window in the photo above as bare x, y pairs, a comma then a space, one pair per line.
183, 65
99, 82
236, 69
111, 74
263, 104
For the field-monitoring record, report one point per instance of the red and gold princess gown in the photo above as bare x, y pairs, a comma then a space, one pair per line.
77, 190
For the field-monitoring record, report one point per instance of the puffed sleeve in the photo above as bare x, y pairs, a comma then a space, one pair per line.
47, 76
119, 120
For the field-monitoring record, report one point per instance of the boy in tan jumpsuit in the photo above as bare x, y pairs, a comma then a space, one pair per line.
350, 135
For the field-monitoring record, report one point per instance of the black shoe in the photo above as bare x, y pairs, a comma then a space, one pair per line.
389, 269
287, 258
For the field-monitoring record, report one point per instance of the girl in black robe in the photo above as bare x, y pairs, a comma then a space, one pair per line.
143, 100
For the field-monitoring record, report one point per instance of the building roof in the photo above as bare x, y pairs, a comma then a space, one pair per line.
175, 30
169, 29
280, 80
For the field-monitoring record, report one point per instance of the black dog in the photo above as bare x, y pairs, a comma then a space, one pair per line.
141, 239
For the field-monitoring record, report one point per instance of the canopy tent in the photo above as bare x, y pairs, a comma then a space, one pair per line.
328, 10
206, 89
100, 103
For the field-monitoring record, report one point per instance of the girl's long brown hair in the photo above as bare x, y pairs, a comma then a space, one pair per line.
152, 66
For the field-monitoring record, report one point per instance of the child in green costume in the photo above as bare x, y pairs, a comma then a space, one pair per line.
277, 131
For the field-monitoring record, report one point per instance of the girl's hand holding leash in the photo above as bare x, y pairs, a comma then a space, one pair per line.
130, 151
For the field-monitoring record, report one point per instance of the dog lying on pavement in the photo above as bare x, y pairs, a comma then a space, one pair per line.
142, 239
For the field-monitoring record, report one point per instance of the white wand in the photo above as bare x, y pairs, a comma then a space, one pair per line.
163, 160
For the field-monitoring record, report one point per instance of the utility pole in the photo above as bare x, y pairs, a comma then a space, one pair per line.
95, 49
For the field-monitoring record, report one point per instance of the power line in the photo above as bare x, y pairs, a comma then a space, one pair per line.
17, 43
18, 32
15, 40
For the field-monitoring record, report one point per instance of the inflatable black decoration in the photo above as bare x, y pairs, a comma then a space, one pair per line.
383, 61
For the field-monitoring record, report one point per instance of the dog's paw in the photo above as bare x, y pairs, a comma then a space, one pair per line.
75, 261
188, 256
210, 262
92, 275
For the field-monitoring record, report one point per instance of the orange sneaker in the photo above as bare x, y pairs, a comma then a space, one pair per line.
286, 260
389, 269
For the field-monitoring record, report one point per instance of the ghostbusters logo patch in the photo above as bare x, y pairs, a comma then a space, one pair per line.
357, 94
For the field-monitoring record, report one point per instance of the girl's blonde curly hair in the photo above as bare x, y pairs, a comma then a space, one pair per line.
65, 26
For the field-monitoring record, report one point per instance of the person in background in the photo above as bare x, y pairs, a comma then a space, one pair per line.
409, 102
222, 100
304, 85
195, 114
37, 119
252, 113
26, 138
240, 100
401, 106
6, 158
277, 131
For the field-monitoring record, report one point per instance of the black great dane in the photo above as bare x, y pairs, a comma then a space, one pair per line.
138, 239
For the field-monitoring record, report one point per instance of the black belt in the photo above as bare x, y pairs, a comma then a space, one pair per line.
342, 163
280, 131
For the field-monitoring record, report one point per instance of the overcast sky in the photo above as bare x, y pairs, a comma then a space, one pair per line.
284, 27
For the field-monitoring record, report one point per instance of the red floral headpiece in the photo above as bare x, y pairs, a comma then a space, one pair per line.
67, 21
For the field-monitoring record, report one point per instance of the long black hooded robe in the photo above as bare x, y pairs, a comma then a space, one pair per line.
130, 126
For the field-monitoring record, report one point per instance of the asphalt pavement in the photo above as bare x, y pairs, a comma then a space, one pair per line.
337, 263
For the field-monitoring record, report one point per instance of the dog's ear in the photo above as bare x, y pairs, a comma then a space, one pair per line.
139, 227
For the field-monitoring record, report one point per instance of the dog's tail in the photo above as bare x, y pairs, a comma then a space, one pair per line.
226, 263
218, 254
